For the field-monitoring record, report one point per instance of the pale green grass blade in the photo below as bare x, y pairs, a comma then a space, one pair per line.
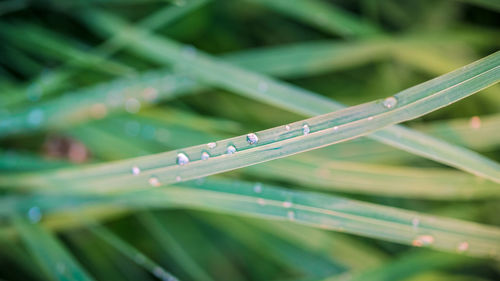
321, 171
169, 244
57, 262
132, 253
282, 141
97, 102
283, 95
326, 16
380, 180
316, 210
478, 132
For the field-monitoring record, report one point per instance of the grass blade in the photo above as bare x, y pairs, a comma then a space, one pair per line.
313, 209
256, 86
49, 252
282, 141
132, 253
168, 243
326, 17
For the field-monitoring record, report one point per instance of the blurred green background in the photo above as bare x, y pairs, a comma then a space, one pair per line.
350, 51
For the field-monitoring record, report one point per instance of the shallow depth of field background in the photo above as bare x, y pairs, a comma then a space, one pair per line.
49, 49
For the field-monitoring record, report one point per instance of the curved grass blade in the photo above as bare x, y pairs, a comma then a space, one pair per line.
132, 253
170, 244
39, 40
47, 83
213, 72
320, 171
230, 154
57, 262
380, 180
313, 209
326, 17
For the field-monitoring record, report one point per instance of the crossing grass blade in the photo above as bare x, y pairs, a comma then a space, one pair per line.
313, 209
326, 17
282, 141
48, 251
216, 73
169, 243
131, 252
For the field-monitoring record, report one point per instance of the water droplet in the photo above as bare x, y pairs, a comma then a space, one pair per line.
252, 138
257, 188
35, 117
287, 204
287, 127
154, 181
390, 102
306, 130
205, 155
462, 247
211, 145
182, 159
423, 240
261, 201
178, 178
132, 105
291, 215
262, 87
475, 122
136, 170
34, 214
231, 149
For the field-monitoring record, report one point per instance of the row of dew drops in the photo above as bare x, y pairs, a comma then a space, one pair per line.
252, 138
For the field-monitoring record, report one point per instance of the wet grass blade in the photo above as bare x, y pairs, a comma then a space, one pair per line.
313, 209
216, 73
230, 154
49, 252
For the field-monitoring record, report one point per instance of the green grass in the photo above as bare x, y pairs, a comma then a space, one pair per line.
249, 140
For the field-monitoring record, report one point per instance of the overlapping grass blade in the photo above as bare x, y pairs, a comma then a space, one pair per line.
320, 171
54, 258
49, 82
169, 243
283, 141
317, 210
326, 17
132, 253
381, 180
260, 87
